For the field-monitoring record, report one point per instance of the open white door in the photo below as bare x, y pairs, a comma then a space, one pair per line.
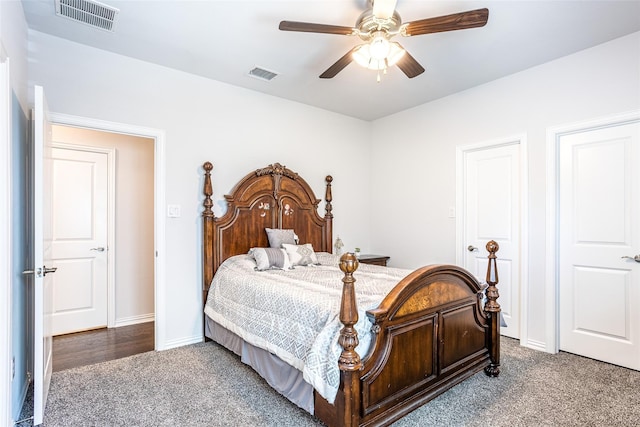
43, 295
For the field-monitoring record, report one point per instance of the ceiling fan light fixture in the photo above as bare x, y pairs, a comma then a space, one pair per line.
365, 57
362, 56
379, 47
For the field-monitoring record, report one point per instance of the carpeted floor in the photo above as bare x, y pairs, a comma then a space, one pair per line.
204, 384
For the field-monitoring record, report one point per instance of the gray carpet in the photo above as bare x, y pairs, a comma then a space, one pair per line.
204, 384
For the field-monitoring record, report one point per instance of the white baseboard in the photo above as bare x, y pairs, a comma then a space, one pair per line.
181, 342
134, 320
535, 345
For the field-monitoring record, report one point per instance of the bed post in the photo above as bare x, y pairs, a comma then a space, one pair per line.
207, 236
492, 308
349, 362
328, 216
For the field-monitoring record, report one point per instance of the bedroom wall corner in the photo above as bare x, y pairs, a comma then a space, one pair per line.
241, 131
600, 81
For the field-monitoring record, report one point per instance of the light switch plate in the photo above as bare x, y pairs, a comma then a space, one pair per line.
173, 211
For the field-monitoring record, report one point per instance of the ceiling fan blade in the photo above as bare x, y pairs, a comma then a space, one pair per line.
307, 27
456, 21
409, 65
338, 65
383, 9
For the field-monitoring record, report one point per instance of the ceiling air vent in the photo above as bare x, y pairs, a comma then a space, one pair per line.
88, 12
262, 74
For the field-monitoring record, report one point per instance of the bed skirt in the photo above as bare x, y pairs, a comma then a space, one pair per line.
281, 376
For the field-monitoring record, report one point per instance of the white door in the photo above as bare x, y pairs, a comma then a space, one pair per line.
491, 211
43, 265
599, 224
80, 199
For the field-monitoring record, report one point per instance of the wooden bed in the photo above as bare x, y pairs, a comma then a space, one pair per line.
431, 332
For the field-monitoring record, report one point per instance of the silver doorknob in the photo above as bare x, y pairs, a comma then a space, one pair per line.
41, 271
471, 248
635, 258
100, 249
46, 270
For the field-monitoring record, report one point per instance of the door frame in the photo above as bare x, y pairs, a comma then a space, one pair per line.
6, 252
111, 220
461, 152
158, 135
552, 240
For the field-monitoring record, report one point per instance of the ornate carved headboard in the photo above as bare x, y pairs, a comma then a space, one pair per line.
271, 197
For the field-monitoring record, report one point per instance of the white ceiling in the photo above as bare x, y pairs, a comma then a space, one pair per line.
223, 40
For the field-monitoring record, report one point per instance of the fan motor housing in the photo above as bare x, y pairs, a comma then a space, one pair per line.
367, 25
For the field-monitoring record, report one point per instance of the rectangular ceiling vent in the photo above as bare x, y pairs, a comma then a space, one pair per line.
262, 74
88, 12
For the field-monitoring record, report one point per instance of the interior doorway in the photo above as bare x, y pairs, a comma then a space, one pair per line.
158, 189
128, 290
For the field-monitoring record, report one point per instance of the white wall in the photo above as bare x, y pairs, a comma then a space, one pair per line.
416, 149
236, 129
134, 245
14, 336
410, 164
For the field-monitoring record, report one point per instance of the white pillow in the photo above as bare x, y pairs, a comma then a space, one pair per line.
279, 236
270, 258
301, 254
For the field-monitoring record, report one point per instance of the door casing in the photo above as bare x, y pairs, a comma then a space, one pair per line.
6, 252
158, 136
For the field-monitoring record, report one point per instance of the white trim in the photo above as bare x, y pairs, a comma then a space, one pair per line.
159, 219
535, 345
554, 134
134, 320
182, 342
6, 255
111, 221
521, 140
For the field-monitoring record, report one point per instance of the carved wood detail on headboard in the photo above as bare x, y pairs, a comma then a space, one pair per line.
270, 197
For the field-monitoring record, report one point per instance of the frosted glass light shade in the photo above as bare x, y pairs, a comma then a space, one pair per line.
365, 57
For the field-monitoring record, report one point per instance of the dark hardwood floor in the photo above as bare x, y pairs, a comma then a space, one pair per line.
101, 345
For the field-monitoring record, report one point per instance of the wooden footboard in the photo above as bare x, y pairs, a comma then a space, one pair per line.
431, 332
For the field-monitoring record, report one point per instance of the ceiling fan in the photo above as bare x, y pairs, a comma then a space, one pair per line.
377, 26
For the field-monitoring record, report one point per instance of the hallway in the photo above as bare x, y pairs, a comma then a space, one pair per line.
101, 345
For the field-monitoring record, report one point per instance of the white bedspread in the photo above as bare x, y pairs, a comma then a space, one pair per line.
294, 314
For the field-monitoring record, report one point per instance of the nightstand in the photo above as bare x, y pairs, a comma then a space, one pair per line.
373, 259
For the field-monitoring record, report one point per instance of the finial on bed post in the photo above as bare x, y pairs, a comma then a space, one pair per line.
349, 362
207, 238
328, 216
492, 308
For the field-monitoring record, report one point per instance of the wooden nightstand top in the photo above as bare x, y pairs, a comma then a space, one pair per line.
373, 259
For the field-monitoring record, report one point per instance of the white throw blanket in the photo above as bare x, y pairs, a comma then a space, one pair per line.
294, 314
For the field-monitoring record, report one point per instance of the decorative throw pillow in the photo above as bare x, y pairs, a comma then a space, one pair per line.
301, 254
270, 258
277, 237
